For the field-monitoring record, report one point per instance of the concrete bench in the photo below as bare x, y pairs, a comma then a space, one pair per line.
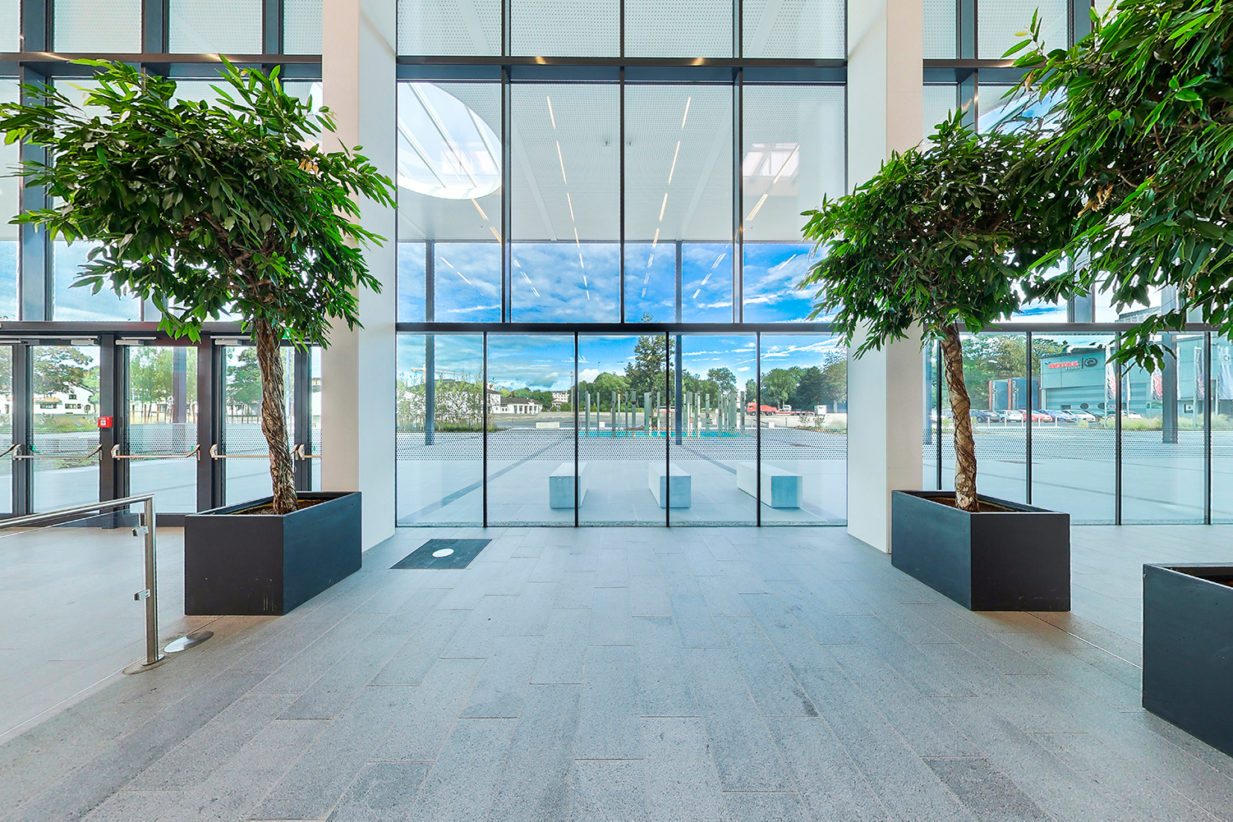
561, 485
780, 488
681, 485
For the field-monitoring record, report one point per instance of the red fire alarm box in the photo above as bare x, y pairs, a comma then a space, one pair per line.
106, 422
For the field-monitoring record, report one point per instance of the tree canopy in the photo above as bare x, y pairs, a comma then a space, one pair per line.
940, 239
941, 235
206, 208
1142, 152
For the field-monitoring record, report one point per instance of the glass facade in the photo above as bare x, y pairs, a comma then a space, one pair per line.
302, 26
215, 26
792, 155
565, 197
646, 428
97, 26
10, 205
10, 25
1059, 426
596, 262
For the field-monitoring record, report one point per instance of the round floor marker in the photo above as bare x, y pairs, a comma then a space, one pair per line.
444, 552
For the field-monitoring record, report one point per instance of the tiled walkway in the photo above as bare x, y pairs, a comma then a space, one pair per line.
645, 674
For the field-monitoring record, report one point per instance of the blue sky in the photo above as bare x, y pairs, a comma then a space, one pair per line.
575, 283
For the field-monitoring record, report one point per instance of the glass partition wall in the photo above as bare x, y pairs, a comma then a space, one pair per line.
600, 428
1059, 425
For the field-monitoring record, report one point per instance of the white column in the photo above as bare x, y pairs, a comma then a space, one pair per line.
884, 387
357, 399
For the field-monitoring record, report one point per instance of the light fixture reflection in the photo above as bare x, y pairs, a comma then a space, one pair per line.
446, 150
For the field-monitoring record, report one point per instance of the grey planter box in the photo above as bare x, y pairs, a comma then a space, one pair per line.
267, 564
1013, 560
1188, 649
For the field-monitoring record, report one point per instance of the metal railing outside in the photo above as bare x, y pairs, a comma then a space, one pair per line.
146, 528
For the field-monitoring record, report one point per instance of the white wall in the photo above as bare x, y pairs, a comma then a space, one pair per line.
358, 69
884, 387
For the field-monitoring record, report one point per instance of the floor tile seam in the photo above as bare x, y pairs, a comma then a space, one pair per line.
889, 720
1157, 781
872, 707
1086, 641
261, 643
864, 778
990, 704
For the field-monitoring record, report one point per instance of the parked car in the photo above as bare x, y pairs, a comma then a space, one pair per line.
1013, 415
1058, 415
982, 415
1042, 416
1131, 415
1083, 416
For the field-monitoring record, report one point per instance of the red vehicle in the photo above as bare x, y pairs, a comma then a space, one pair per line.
1041, 416
766, 409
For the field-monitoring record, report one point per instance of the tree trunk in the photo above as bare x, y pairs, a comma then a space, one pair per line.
961, 410
273, 416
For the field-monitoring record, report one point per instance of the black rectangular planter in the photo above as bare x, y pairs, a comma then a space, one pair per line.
1013, 560
268, 564
1188, 649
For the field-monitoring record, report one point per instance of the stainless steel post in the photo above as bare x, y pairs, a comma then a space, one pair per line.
153, 654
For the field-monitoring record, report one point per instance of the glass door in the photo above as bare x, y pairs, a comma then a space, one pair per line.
64, 444
161, 425
7, 450
242, 449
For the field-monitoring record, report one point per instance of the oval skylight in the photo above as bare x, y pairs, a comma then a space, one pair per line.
445, 149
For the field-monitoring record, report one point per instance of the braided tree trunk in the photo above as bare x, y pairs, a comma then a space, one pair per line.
273, 416
961, 410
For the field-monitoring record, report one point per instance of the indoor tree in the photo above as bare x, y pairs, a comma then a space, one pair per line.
205, 209
1141, 118
938, 240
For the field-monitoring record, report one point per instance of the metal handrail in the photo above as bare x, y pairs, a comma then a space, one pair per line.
116, 455
34, 456
299, 453
146, 529
214, 455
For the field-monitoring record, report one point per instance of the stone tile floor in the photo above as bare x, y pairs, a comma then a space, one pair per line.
644, 674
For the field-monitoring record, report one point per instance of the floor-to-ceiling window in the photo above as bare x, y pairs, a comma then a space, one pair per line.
96, 402
616, 241
1057, 422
